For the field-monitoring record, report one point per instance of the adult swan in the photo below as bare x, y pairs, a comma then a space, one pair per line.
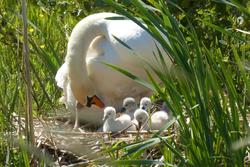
84, 77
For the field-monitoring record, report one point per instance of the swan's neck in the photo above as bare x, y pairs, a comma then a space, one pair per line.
82, 36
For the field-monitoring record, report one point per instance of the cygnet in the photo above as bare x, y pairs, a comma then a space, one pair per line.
159, 118
145, 104
129, 106
113, 124
141, 116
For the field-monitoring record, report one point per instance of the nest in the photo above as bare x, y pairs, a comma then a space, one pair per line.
59, 144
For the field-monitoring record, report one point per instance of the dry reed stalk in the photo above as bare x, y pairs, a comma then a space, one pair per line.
29, 116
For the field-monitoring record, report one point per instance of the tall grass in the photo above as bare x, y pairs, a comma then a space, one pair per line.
205, 86
201, 86
49, 25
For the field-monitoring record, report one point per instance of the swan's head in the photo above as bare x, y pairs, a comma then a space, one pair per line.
129, 104
145, 103
109, 112
95, 100
141, 117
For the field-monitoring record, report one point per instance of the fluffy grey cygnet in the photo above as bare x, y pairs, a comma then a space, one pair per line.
129, 106
113, 124
158, 118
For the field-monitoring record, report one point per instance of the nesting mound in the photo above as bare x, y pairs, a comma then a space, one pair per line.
60, 145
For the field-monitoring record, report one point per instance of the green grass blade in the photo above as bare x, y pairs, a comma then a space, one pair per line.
224, 31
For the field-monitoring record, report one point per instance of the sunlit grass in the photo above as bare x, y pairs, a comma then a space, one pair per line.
204, 89
49, 26
210, 85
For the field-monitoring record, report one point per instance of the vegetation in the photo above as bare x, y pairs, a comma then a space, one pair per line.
202, 87
210, 82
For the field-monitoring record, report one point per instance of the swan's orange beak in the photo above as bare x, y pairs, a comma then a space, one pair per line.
96, 101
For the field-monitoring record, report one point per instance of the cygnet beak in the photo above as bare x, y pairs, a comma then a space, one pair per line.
123, 109
104, 117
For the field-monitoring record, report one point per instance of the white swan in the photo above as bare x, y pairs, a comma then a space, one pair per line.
159, 118
113, 124
93, 41
129, 106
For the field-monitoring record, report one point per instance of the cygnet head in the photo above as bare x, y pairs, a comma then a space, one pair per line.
145, 103
165, 107
109, 112
141, 116
129, 104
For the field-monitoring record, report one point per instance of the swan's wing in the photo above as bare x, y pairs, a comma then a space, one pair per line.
110, 83
62, 76
142, 44
62, 81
